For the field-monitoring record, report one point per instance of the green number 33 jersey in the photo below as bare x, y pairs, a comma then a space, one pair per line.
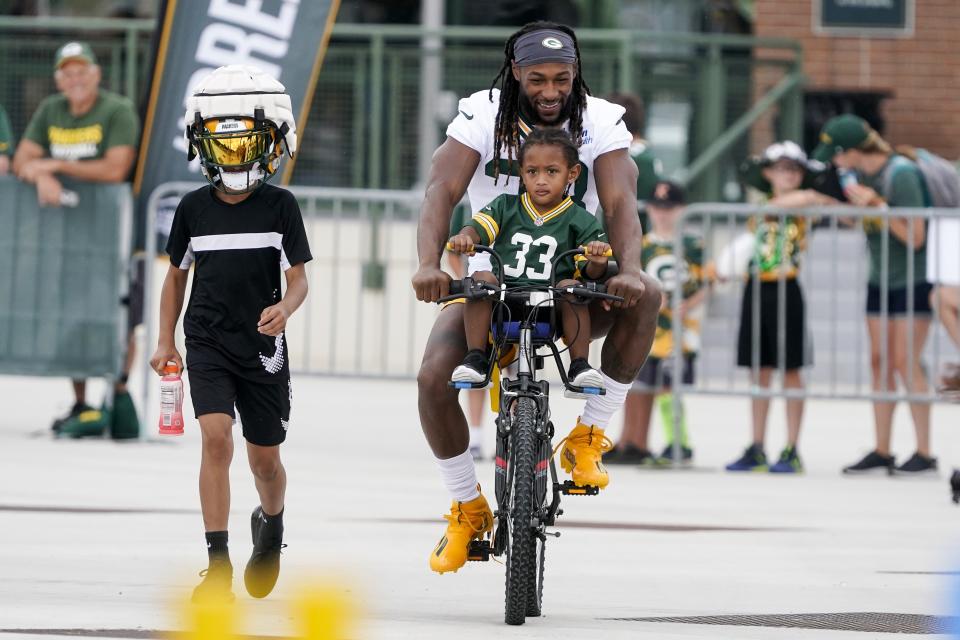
528, 240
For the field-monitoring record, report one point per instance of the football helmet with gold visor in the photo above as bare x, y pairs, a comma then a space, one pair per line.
239, 122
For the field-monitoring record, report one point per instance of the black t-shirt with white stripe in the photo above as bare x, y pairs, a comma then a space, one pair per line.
239, 250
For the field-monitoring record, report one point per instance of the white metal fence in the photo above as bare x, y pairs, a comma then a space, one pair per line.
362, 319
833, 277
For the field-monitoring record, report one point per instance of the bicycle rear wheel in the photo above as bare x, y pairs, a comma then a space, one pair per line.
535, 590
521, 545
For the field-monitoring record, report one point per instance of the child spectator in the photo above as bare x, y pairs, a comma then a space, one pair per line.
656, 377
780, 241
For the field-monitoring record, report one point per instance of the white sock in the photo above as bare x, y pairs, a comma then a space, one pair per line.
599, 409
476, 436
459, 476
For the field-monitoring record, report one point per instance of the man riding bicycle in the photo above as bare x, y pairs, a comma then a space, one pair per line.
540, 86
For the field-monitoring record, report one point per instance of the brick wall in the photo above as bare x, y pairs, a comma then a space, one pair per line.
922, 71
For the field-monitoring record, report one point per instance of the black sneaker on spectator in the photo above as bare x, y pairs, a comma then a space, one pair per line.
76, 410
666, 458
873, 462
629, 454
753, 459
918, 465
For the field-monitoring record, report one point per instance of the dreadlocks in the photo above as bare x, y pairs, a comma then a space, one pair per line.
506, 131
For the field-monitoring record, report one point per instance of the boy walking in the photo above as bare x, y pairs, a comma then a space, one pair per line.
240, 232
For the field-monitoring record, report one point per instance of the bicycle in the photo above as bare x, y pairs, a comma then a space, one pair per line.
524, 455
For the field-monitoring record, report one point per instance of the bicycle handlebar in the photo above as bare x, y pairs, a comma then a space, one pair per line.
478, 290
470, 289
579, 251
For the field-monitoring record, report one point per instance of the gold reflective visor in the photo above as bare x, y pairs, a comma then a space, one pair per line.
234, 149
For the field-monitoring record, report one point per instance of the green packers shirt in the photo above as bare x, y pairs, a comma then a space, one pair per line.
6, 134
528, 240
659, 261
649, 169
779, 248
110, 122
906, 189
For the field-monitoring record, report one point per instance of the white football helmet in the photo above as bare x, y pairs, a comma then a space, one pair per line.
239, 120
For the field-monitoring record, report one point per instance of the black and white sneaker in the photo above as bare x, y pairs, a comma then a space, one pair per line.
918, 465
473, 369
581, 374
873, 462
263, 568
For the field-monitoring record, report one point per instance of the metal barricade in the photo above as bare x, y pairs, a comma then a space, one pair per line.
833, 279
63, 271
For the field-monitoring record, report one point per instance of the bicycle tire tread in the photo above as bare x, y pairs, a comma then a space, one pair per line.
521, 565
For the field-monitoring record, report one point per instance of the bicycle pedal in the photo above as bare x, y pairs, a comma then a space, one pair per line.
468, 385
568, 488
479, 551
585, 393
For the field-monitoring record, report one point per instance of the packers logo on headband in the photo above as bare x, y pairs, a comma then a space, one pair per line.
551, 43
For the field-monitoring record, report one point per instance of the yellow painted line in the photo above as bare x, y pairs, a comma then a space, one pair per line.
154, 92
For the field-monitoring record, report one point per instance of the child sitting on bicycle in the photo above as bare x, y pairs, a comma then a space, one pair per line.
527, 231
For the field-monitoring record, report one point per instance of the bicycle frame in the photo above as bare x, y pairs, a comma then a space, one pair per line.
523, 513
587, 290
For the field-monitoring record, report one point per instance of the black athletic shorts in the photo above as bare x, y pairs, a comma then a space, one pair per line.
264, 408
897, 300
657, 374
797, 348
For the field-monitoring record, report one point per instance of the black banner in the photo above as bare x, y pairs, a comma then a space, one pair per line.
285, 38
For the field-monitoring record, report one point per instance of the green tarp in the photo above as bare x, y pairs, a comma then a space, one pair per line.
62, 275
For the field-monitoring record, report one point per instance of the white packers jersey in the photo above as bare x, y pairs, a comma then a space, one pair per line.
603, 131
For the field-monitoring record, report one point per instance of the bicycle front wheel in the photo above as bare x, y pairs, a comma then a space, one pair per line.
538, 540
521, 549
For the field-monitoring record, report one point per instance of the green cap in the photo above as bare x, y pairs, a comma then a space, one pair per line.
840, 134
74, 51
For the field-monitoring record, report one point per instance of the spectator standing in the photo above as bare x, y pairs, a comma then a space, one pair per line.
779, 244
85, 133
6, 142
656, 376
888, 179
634, 118
649, 168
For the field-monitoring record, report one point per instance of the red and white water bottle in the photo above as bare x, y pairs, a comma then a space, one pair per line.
171, 401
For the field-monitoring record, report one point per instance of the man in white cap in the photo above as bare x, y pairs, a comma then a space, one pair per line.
84, 132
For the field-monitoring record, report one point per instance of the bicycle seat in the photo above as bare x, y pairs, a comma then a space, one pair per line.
542, 331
